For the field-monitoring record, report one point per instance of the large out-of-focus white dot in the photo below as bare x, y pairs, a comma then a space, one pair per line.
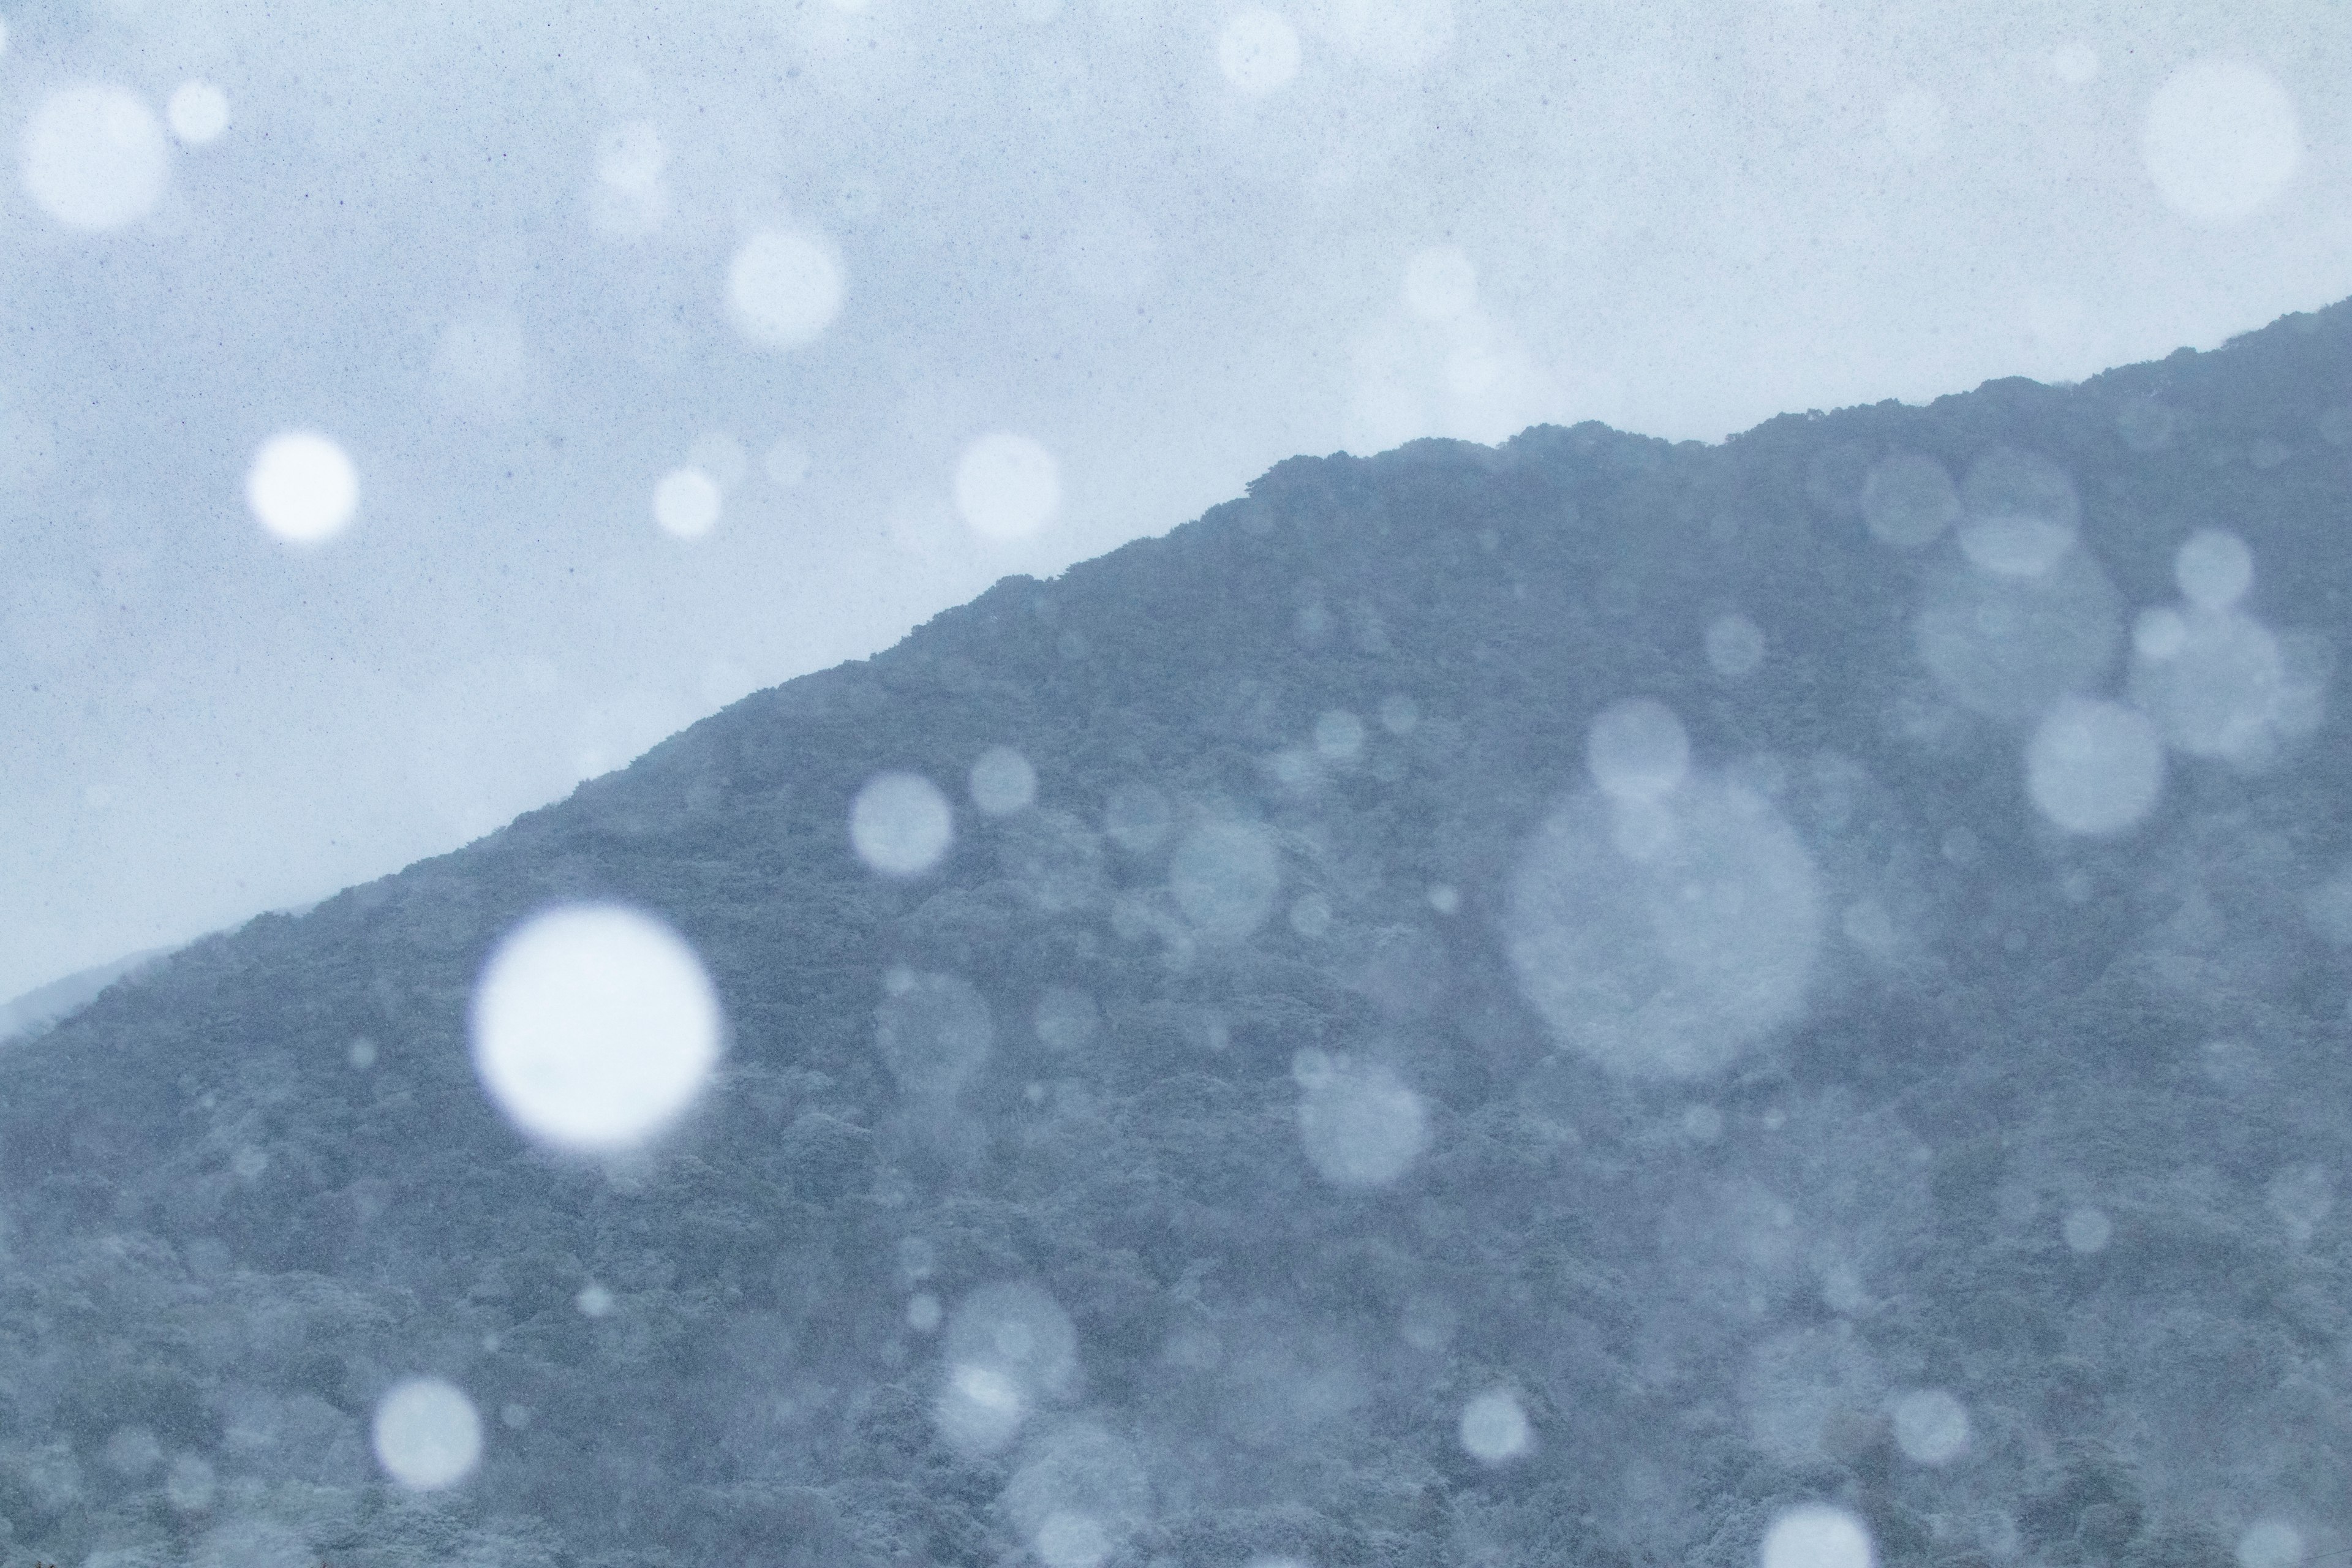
1637, 749
1009, 1348
2270, 1544
1258, 52
1495, 1427
1003, 781
1660, 936
428, 1435
2022, 512
94, 157
979, 1409
1225, 876
687, 504
1931, 1427
1816, 1535
1007, 486
783, 288
2219, 683
900, 824
2221, 140
1069, 1539
197, 113
595, 1026
1735, 646
1908, 498
2014, 546
1362, 1126
2010, 645
2095, 767
302, 486
1439, 284
1080, 1493
2214, 569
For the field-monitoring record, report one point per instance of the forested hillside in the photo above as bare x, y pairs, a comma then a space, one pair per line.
1532, 1005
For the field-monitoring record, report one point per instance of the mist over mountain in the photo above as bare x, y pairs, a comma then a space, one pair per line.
1587, 1000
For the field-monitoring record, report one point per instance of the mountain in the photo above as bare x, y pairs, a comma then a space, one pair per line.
43, 1004
1590, 1000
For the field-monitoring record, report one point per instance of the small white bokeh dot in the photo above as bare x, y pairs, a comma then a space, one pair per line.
1003, 781
1816, 1535
95, 158
900, 825
1494, 1427
1908, 499
1931, 1427
197, 113
593, 1301
302, 486
2221, 140
1007, 486
687, 504
1257, 51
923, 1313
595, 1026
427, 1434
2088, 1230
783, 290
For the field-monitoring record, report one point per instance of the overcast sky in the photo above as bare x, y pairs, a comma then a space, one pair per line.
675, 351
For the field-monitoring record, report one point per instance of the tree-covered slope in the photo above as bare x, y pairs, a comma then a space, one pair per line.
1393, 1104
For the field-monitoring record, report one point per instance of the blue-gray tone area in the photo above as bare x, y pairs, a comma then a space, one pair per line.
994, 967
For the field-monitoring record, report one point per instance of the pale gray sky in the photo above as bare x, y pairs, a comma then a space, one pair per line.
524, 267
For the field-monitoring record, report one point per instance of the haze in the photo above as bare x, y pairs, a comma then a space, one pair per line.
673, 356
